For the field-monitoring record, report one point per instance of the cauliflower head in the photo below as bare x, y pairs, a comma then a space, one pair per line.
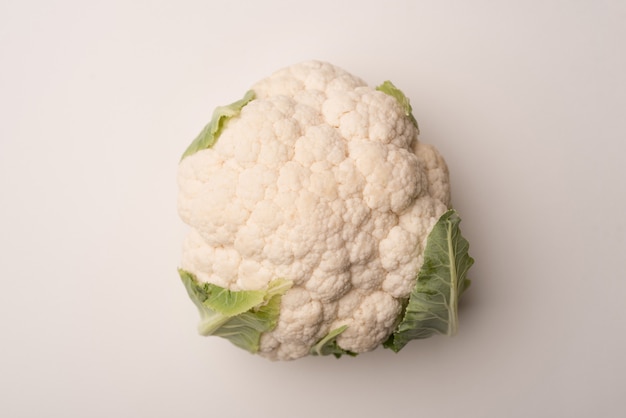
312, 207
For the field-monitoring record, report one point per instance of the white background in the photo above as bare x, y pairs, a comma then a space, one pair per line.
526, 100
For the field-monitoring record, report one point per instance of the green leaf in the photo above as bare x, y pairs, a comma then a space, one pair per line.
245, 330
432, 307
328, 345
211, 132
388, 88
230, 303
198, 293
239, 316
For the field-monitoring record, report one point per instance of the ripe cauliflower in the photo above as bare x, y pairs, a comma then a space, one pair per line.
319, 223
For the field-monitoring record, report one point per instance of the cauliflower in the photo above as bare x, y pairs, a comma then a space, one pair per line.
319, 223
